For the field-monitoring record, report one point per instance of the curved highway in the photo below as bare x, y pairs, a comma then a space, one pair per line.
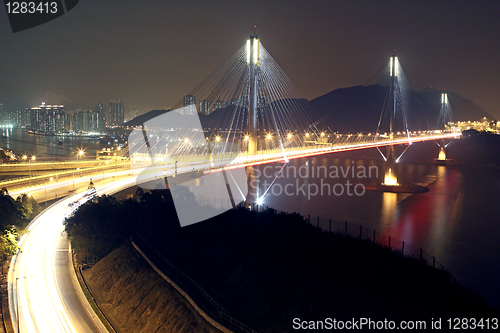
40, 286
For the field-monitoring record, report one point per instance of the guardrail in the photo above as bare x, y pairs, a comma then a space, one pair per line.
200, 296
360, 232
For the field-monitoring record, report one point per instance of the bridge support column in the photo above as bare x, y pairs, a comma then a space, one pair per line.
390, 177
253, 61
390, 165
442, 154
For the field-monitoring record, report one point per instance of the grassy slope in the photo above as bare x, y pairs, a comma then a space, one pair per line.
267, 269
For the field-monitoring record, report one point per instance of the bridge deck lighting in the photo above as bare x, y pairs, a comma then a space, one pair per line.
322, 134
33, 158
246, 137
80, 152
289, 135
186, 140
307, 135
25, 157
217, 138
269, 136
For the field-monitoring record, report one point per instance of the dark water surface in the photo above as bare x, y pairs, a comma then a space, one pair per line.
458, 220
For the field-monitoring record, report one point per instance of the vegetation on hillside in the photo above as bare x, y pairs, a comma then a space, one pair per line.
269, 268
15, 215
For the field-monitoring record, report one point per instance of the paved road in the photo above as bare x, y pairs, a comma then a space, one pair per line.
47, 298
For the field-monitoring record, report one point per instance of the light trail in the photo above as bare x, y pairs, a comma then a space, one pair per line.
39, 275
245, 161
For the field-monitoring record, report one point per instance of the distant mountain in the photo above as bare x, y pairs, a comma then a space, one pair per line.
353, 109
359, 108
139, 120
463, 109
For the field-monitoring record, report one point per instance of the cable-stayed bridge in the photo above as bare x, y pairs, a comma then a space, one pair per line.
248, 112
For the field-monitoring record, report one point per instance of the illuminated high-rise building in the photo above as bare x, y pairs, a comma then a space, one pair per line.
190, 103
204, 107
219, 105
100, 111
48, 118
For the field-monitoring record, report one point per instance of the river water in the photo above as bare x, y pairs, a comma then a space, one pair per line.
457, 221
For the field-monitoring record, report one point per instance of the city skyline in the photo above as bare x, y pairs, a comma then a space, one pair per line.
147, 53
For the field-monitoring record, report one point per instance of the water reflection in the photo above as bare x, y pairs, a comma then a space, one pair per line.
389, 211
457, 220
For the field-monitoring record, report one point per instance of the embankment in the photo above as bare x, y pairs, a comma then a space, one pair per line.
136, 299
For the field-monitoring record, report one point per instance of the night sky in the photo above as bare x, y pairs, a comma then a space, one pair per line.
152, 53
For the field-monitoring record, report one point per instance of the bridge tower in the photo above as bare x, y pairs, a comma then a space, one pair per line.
390, 166
253, 63
444, 104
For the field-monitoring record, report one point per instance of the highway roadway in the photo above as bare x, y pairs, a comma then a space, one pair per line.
40, 286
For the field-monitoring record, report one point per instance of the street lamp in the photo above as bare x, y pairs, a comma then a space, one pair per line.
80, 154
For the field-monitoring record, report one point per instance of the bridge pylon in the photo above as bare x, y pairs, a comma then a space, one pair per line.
390, 164
253, 62
443, 114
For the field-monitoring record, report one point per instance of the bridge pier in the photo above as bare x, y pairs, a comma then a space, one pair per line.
390, 177
442, 154
390, 166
